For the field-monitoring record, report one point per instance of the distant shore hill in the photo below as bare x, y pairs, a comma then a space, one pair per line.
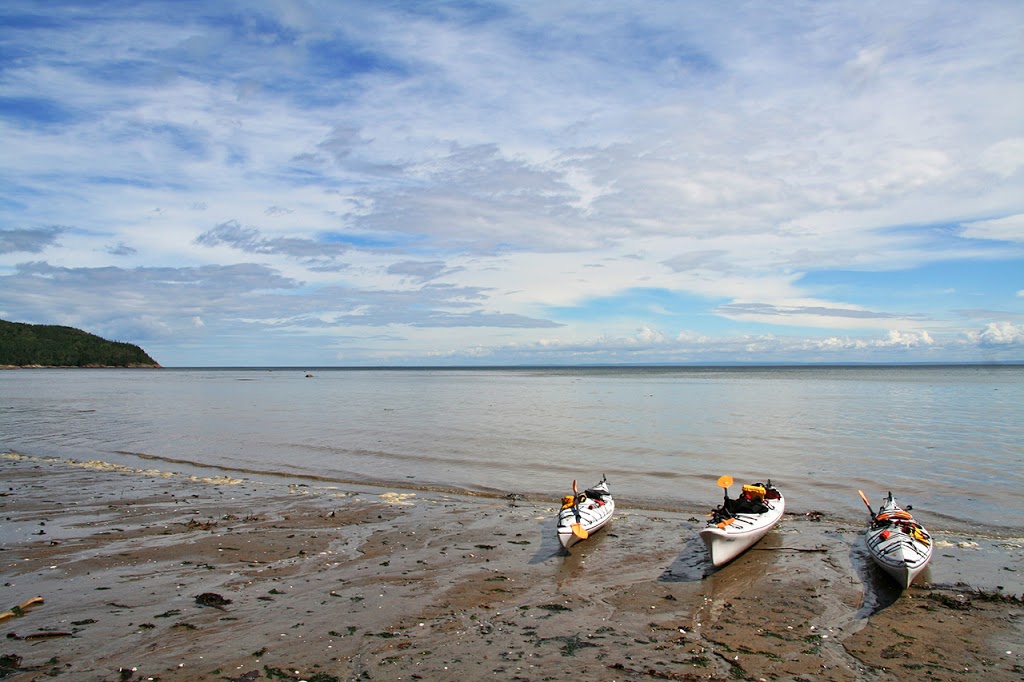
43, 345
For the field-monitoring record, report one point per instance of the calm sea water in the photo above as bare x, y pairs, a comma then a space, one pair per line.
949, 440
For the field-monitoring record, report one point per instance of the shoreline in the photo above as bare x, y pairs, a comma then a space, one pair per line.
935, 520
355, 582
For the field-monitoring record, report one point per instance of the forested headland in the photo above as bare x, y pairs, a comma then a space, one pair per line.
42, 345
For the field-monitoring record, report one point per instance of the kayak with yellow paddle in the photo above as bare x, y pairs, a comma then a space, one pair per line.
584, 513
739, 523
896, 542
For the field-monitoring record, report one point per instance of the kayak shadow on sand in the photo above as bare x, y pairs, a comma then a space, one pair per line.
551, 548
691, 565
694, 563
880, 591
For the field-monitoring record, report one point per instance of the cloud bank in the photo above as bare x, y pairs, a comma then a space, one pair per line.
505, 183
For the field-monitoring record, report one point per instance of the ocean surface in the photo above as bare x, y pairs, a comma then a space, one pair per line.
947, 439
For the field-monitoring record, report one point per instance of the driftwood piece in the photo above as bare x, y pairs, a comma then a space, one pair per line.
19, 610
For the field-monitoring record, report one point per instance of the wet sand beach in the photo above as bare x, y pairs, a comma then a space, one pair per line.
155, 575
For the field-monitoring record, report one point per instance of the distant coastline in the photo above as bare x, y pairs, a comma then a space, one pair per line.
39, 346
13, 367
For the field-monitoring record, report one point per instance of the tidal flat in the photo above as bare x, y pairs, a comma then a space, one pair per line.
157, 575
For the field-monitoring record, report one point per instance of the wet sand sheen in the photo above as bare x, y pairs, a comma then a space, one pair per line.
338, 583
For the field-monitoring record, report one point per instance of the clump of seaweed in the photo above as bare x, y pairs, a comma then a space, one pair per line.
964, 600
212, 599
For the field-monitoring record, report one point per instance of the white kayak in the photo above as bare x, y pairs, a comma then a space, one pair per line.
738, 524
897, 543
584, 513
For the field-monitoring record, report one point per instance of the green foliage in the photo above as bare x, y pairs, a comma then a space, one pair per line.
23, 345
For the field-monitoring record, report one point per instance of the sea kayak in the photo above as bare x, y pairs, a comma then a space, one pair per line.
897, 543
738, 524
584, 513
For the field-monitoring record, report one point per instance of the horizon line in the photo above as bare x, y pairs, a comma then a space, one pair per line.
644, 365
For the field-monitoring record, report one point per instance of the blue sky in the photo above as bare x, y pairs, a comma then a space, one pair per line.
447, 183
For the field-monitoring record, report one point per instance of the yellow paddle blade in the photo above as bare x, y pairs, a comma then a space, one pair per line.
725, 481
579, 531
575, 490
864, 497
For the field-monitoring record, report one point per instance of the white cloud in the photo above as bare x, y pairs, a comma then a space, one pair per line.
1004, 158
1010, 228
895, 339
999, 334
907, 339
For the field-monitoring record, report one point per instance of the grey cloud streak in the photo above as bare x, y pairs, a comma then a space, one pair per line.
739, 309
422, 271
250, 240
28, 240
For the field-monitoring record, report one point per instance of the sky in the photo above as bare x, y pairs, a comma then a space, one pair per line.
370, 183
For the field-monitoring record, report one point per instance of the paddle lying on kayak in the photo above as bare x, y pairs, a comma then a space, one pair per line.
584, 513
896, 542
734, 527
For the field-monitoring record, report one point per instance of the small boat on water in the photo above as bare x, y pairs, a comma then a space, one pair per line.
738, 524
584, 513
897, 543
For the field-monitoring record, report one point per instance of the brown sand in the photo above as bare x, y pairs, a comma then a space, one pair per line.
326, 584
